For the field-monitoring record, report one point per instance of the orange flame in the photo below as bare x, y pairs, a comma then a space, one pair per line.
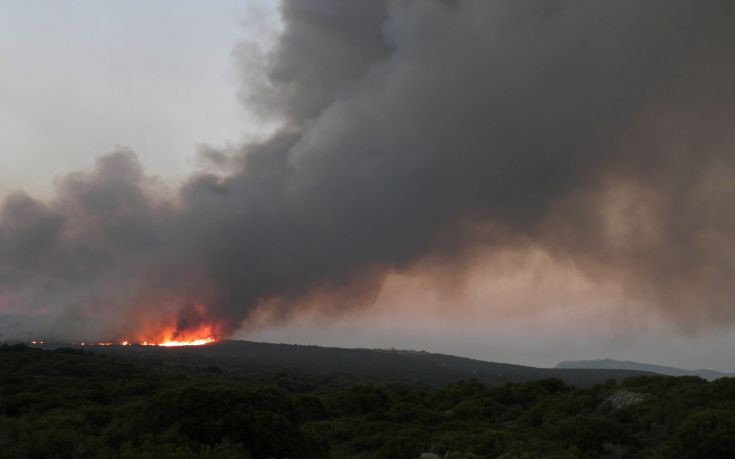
171, 337
173, 343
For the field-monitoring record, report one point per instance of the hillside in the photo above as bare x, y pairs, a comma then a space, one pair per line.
421, 368
610, 364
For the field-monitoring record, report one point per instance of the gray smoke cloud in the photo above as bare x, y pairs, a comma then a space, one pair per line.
599, 132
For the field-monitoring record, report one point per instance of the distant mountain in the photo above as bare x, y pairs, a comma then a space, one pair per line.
368, 365
610, 364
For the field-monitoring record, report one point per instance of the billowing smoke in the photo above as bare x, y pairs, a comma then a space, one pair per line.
601, 133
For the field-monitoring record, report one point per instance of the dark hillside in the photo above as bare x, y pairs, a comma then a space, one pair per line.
610, 364
422, 368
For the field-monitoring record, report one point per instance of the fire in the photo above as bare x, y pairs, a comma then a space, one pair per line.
173, 343
171, 337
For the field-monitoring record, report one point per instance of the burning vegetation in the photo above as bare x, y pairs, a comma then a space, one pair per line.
173, 336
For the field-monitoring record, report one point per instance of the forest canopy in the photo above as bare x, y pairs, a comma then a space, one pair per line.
69, 403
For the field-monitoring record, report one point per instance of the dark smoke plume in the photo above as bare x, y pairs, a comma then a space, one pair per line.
599, 132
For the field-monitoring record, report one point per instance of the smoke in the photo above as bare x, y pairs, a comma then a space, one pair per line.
417, 133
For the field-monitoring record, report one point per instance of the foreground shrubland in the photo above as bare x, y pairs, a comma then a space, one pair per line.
71, 404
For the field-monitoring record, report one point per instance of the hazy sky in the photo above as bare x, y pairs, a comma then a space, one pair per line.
525, 181
80, 78
537, 315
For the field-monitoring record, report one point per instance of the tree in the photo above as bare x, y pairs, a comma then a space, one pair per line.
709, 433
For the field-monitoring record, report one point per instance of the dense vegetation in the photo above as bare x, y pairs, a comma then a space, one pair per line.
66, 403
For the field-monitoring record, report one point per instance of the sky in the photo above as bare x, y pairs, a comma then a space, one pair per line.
523, 182
81, 78
536, 316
